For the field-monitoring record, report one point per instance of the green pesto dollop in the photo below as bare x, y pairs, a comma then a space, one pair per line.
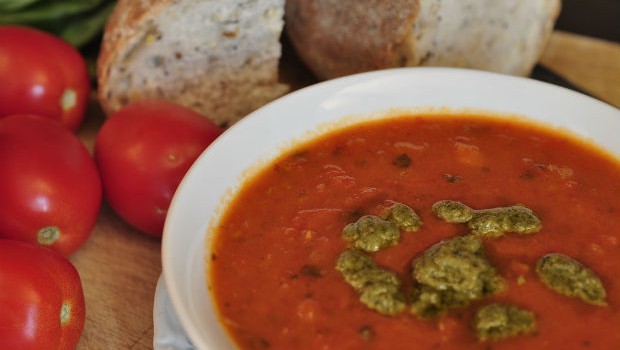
371, 233
428, 302
405, 218
492, 222
500, 321
453, 211
352, 261
379, 289
497, 221
450, 274
569, 277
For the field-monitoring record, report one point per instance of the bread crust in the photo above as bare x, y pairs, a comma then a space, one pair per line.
121, 24
341, 37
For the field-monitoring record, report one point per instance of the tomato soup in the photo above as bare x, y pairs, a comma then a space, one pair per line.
273, 267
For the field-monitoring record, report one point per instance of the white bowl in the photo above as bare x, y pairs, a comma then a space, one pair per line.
258, 137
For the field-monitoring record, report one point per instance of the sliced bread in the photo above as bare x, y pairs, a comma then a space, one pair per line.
217, 57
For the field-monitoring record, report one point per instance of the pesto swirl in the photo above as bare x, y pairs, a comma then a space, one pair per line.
452, 273
493, 222
500, 321
569, 277
379, 289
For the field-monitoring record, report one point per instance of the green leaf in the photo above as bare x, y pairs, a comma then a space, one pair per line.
15, 5
81, 30
49, 11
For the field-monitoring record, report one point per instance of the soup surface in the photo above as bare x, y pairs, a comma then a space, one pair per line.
273, 267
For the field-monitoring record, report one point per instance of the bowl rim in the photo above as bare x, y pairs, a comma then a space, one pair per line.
352, 87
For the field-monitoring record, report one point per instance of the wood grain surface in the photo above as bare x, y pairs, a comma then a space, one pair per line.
591, 64
120, 266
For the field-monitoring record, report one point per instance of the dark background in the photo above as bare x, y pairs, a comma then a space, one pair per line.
597, 18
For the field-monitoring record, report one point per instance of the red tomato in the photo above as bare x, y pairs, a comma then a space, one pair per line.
49, 185
41, 299
42, 74
143, 151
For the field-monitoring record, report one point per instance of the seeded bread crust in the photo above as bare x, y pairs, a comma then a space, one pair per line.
341, 37
217, 57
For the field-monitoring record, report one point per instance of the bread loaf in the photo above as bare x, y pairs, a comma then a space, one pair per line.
341, 37
218, 57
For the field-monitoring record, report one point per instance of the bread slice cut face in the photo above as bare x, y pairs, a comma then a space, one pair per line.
217, 57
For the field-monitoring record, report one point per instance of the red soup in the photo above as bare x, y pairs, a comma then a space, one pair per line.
274, 264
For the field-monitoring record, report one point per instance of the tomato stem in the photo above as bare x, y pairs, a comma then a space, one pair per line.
65, 313
48, 235
68, 99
